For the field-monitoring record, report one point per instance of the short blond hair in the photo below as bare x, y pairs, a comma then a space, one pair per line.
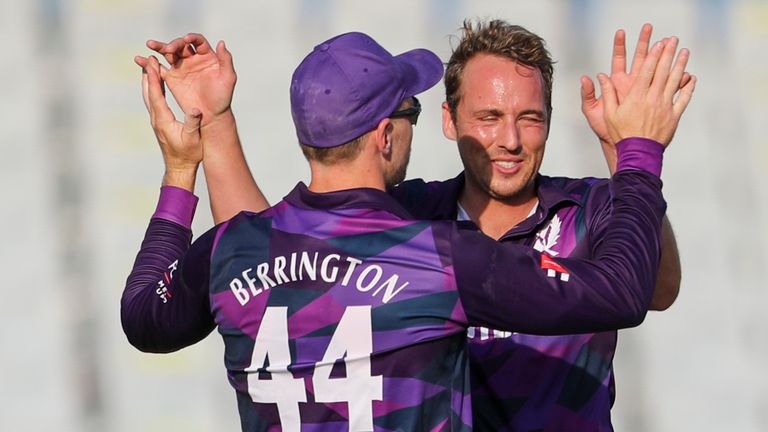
497, 37
333, 155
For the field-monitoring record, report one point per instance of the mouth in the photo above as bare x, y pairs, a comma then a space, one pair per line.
507, 167
505, 164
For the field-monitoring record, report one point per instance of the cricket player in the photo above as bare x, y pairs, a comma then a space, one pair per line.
338, 310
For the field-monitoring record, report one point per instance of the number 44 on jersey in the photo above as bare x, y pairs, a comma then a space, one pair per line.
352, 342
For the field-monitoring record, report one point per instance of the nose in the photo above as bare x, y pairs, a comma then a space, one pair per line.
509, 137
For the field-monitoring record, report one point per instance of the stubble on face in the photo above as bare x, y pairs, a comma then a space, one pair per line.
402, 137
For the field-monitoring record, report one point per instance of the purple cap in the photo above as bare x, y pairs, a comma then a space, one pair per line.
349, 83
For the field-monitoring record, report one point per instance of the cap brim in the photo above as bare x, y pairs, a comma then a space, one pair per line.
421, 68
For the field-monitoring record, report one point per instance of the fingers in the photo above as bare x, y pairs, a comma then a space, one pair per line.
164, 70
641, 50
173, 51
198, 42
648, 69
159, 110
141, 61
619, 59
674, 83
145, 90
686, 78
167, 50
607, 92
663, 67
678, 107
588, 98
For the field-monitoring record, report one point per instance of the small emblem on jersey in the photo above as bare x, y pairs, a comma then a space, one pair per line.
484, 333
554, 269
547, 238
162, 290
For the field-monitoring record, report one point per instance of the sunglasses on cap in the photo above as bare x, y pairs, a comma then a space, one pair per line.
412, 113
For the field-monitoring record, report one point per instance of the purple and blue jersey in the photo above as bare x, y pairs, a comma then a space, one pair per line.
525, 382
339, 311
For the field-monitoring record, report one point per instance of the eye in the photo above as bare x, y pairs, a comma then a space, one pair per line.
532, 119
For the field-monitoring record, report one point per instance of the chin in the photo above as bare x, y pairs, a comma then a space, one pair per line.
506, 192
394, 180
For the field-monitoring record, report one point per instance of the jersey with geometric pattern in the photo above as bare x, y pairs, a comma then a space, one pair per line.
524, 382
340, 312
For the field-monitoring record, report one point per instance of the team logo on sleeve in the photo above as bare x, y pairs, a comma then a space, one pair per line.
162, 290
554, 269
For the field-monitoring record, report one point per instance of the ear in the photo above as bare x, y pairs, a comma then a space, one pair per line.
449, 128
382, 137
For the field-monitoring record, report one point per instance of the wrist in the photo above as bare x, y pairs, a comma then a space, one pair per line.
220, 132
181, 177
637, 153
219, 120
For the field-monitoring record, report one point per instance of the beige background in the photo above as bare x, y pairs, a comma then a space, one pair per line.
80, 172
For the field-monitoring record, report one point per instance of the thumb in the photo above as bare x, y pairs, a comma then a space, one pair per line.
192, 122
588, 99
225, 58
608, 92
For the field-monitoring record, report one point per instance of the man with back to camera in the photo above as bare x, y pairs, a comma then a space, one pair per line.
345, 214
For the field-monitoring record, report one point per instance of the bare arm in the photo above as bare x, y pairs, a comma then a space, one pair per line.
669, 275
202, 77
668, 281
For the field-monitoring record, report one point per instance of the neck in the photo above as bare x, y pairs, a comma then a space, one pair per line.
353, 175
496, 217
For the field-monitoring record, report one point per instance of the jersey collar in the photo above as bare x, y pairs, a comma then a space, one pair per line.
359, 198
550, 194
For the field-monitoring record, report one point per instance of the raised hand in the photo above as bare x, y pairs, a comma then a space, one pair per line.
179, 142
652, 108
198, 76
202, 81
592, 106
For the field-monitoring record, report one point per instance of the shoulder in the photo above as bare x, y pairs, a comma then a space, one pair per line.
575, 186
587, 191
429, 200
422, 187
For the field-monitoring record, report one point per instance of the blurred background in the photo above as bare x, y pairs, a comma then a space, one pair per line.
80, 173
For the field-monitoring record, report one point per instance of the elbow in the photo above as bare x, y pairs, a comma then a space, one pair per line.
666, 292
634, 311
137, 337
141, 335
635, 317
141, 342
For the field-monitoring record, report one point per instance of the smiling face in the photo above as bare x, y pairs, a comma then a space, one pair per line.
500, 125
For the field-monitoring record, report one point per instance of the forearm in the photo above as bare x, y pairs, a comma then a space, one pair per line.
523, 290
231, 186
160, 312
669, 276
609, 152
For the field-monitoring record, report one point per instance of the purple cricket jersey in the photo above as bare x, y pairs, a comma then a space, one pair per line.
524, 382
340, 312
